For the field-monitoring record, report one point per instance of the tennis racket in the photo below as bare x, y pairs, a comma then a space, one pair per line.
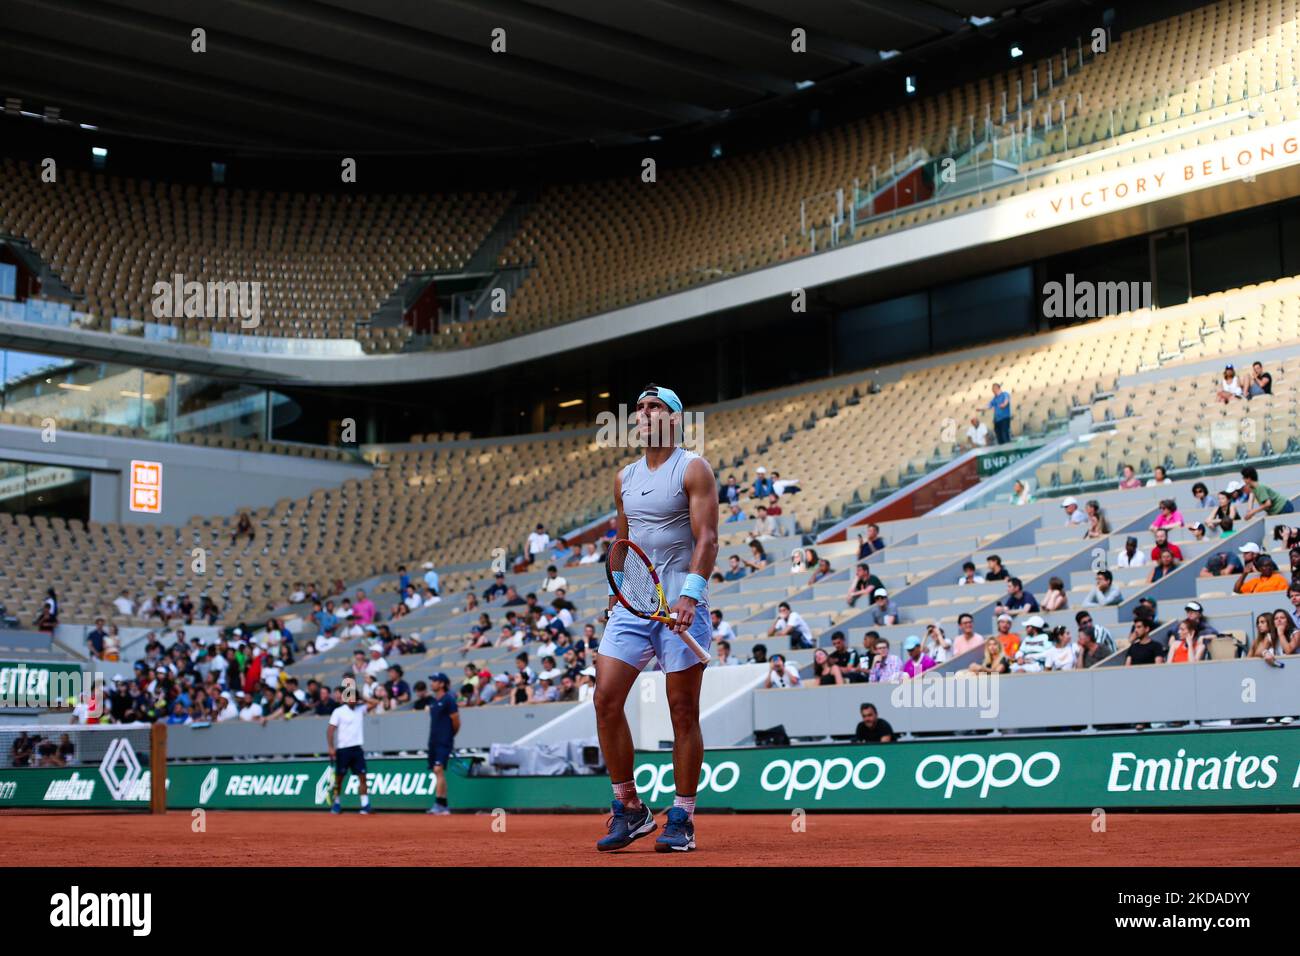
636, 586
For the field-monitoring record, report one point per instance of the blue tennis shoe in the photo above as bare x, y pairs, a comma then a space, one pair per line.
679, 832
626, 825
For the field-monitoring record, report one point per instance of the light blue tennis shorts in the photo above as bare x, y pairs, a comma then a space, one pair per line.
634, 640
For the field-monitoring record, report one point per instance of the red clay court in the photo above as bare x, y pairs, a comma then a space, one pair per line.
242, 838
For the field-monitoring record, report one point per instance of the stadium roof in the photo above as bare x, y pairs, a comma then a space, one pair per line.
419, 75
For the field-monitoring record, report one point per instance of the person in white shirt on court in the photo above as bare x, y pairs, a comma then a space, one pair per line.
345, 738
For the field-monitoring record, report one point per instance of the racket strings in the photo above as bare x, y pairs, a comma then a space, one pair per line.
638, 584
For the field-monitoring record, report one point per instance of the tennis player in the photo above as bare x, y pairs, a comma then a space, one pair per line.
668, 506
345, 738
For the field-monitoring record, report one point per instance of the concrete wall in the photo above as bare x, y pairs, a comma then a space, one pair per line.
196, 481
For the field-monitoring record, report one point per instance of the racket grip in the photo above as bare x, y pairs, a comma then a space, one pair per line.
698, 651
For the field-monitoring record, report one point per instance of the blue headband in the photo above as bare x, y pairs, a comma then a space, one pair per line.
665, 395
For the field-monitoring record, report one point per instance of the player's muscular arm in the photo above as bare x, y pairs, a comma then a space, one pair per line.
702, 501
622, 523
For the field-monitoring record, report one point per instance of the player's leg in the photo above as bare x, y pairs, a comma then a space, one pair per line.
629, 817
438, 763
340, 772
684, 675
688, 754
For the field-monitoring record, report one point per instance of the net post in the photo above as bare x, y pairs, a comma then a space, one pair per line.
158, 768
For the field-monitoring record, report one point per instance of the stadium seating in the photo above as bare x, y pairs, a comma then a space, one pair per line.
325, 262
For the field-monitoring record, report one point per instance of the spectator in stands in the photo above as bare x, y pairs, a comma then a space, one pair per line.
1196, 617
847, 659
1200, 495
1130, 557
758, 655
872, 728
801, 559
1293, 595
968, 575
864, 584
1266, 643
95, 640
1198, 531
1229, 387
1187, 646
966, 640
1001, 405
1091, 652
399, 691
1073, 515
363, 611
729, 494
1169, 516
885, 667
538, 542
1159, 477
781, 674
1055, 599
883, 612
1286, 538
725, 657
1021, 494
244, 527
825, 670
735, 515
47, 619
1164, 544
1166, 564
762, 484
209, 610
1098, 523
1141, 648
1288, 634
1250, 554
784, 486
822, 572
1263, 499
553, 580
764, 525
995, 660
790, 624
977, 436
1129, 479
735, 570
773, 506
1221, 563
1017, 600
1266, 580
935, 644
873, 542
1031, 655
995, 572
560, 552
521, 693
758, 557
918, 662
723, 631
512, 598
1062, 653
124, 605
1104, 593
497, 588
1008, 638
1260, 383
